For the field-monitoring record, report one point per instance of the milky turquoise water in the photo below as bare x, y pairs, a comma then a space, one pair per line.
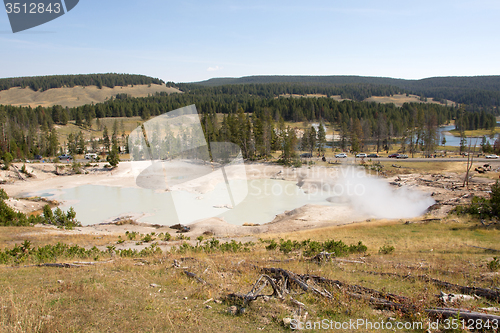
265, 199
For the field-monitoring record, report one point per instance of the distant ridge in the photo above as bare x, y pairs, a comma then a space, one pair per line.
109, 80
333, 79
473, 90
490, 83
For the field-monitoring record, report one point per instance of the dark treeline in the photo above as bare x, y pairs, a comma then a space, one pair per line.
355, 91
483, 91
253, 116
26, 131
475, 120
110, 80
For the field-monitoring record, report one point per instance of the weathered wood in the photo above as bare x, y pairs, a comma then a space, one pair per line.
194, 276
257, 289
290, 275
484, 248
18, 173
462, 313
489, 294
376, 298
59, 265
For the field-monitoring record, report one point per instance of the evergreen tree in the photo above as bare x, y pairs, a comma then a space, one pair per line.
53, 143
321, 138
114, 156
105, 138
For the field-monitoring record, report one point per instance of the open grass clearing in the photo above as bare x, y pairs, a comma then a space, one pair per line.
119, 296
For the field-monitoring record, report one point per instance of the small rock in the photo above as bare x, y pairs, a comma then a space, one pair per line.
232, 310
287, 321
60, 281
265, 298
491, 309
218, 301
208, 307
242, 310
185, 298
154, 285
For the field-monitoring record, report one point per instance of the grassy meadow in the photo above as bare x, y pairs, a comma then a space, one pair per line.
150, 294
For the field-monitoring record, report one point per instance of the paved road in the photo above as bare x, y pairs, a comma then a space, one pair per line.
350, 160
418, 159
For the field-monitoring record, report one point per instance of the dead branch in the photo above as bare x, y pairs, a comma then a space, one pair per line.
463, 313
60, 265
326, 256
257, 288
374, 297
484, 248
18, 173
489, 294
197, 278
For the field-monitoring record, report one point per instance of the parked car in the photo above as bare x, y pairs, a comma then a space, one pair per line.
402, 156
65, 157
361, 155
90, 156
38, 157
492, 156
393, 156
306, 155
341, 155
373, 155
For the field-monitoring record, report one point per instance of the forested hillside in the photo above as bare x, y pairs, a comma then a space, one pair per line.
256, 123
110, 80
253, 115
355, 91
483, 91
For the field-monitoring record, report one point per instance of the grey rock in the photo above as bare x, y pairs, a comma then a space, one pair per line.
232, 310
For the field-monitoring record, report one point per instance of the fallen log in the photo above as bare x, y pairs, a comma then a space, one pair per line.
489, 294
484, 248
257, 289
194, 276
374, 297
60, 265
463, 314
18, 173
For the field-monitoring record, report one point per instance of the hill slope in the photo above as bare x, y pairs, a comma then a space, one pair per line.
478, 90
109, 80
76, 96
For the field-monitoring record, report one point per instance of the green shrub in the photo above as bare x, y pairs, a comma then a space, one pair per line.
494, 265
148, 238
483, 207
289, 246
272, 245
59, 218
7, 159
386, 249
131, 235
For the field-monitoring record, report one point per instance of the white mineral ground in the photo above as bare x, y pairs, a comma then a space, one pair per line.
398, 197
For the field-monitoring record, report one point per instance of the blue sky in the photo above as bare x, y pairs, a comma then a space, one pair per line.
189, 40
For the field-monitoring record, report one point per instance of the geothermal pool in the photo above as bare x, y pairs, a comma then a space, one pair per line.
266, 198
242, 201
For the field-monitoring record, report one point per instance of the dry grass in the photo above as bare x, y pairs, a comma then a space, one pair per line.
118, 296
476, 133
76, 96
125, 125
400, 99
9, 236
